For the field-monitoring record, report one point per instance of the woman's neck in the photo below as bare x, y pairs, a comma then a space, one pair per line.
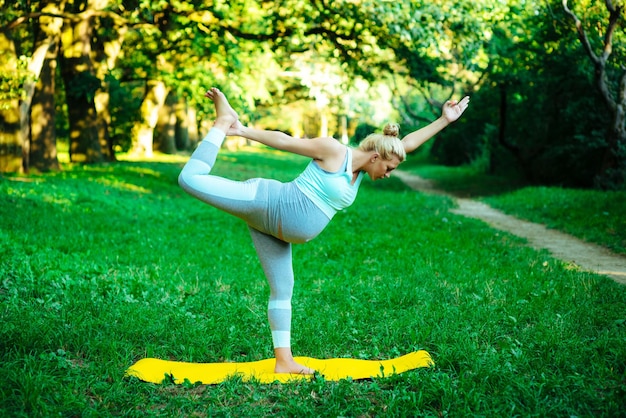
360, 159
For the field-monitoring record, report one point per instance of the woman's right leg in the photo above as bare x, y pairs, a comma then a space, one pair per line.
234, 197
194, 177
196, 180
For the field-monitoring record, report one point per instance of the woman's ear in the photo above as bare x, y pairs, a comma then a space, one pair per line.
374, 157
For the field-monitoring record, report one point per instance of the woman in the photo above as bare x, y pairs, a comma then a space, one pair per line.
279, 214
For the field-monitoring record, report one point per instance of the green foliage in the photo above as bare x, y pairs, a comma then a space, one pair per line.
534, 106
462, 143
13, 77
531, 113
124, 108
84, 85
361, 132
106, 264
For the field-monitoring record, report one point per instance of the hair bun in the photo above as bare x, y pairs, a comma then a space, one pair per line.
391, 129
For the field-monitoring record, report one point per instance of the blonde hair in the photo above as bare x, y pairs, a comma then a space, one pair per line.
386, 144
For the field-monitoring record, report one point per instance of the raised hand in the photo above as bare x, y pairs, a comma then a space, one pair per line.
452, 110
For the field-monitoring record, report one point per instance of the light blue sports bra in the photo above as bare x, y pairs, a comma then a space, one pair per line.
331, 192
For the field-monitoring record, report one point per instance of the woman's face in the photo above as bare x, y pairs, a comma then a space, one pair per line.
381, 169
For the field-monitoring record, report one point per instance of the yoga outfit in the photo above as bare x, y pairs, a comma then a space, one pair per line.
278, 214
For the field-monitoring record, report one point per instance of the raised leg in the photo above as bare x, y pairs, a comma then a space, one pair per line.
195, 178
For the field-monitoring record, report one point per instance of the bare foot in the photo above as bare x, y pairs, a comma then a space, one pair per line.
226, 115
286, 364
292, 368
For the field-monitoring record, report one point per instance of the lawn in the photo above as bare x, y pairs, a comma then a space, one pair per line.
594, 216
103, 265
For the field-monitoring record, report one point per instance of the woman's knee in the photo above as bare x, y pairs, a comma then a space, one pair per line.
184, 179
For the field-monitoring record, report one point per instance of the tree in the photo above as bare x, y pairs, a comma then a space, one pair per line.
528, 77
610, 81
243, 46
81, 84
42, 112
133, 69
11, 137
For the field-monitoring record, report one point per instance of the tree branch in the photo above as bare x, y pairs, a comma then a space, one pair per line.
599, 63
73, 17
581, 34
614, 14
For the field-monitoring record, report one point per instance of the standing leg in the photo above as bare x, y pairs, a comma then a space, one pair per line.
275, 258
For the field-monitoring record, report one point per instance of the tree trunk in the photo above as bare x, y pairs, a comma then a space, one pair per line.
344, 130
43, 144
523, 156
165, 132
502, 116
323, 124
34, 66
103, 116
11, 140
37, 109
612, 171
80, 86
194, 134
182, 124
613, 168
104, 56
143, 134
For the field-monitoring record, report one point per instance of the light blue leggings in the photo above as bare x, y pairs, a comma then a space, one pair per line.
277, 215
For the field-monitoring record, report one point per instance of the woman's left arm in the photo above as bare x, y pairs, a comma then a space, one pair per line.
451, 111
320, 149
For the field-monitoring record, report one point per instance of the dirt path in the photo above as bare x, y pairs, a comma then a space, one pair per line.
565, 247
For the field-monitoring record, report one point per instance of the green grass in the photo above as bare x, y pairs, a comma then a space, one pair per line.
103, 265
592, 215
463, 181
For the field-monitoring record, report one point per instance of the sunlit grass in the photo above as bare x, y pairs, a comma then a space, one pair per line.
157, 157
97, 274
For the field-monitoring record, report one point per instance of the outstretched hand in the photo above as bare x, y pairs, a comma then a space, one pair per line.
452, 110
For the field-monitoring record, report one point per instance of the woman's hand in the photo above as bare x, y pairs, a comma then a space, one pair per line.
452, 110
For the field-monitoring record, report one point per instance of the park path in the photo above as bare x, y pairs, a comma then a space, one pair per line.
565, 247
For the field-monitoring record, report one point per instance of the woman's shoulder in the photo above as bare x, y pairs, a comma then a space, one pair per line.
331, 153
328, 147
328, 140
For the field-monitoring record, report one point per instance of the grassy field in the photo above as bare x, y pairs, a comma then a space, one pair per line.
592, 215
103, 265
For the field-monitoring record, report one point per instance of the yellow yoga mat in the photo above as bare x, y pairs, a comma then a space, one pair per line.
155, 370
